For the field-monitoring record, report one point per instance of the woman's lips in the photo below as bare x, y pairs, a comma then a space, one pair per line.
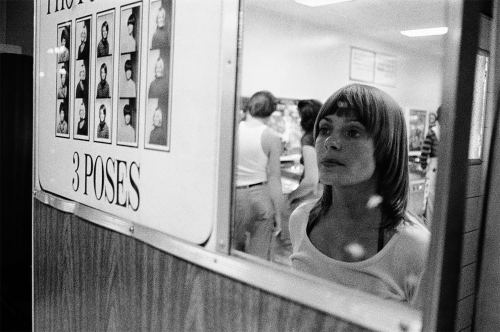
331, 162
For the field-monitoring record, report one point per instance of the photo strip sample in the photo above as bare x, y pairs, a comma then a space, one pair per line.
82, 79
128, 76
157, 121
62, 79
103, 106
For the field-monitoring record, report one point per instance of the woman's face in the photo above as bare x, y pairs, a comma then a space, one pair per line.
104, 32
63, 42
432, 119
103, 74
130, 29
128, 74
127, 119
159, 68
345, 151
61, 115
160, 19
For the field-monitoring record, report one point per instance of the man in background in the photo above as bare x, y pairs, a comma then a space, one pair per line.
428, 161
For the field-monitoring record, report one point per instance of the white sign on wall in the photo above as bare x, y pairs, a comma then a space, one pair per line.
362, 65
124, 123
385, 69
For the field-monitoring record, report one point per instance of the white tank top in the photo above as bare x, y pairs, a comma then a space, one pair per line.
252, 161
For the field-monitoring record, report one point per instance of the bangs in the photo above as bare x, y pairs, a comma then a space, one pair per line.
349, 112
352, 102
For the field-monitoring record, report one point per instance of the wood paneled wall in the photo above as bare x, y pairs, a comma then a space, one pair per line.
88, 278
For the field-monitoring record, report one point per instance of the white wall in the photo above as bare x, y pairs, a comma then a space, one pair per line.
296, 60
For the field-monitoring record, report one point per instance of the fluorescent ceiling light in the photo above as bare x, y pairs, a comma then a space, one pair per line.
317, 3
425, 32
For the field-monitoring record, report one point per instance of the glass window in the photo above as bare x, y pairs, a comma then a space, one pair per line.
336, 144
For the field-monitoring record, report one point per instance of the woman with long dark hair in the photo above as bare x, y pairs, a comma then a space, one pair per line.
359, 233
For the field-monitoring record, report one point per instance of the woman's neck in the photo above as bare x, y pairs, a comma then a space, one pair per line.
358, 204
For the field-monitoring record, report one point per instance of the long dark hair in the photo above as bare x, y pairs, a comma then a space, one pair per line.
385, 122
308, 111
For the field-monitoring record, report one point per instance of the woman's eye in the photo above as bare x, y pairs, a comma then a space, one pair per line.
353, 133
324, 131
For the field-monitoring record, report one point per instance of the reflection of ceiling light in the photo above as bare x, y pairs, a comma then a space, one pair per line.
425, 32
316, 3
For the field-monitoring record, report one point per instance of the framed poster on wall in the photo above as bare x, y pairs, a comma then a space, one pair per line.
362, 65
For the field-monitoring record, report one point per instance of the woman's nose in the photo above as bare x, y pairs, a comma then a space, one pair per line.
332, 143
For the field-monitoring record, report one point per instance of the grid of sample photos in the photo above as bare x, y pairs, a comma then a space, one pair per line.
128, 75
62, 79
103, 107
81, 84
115, 77
157, 121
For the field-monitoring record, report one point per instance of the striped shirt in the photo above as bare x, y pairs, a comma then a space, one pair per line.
429, 148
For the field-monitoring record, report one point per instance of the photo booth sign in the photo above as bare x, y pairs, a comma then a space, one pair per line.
125, 123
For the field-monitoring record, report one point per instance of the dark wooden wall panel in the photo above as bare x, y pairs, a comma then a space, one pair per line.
88, 278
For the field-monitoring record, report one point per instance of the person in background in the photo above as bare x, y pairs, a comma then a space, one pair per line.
428, 161
309, 183
259, 199
103, 46
359, 233
102, 127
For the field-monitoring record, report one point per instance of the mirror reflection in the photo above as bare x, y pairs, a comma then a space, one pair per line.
336, 145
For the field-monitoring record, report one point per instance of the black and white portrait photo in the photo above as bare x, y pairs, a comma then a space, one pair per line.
62, 80
127, 122
130, 27
104, 77
81, 83
64, 43
62, 118
81, 125
105, 33
128, 76
102, 121
160, 24
158, 86
83, 38
156, 124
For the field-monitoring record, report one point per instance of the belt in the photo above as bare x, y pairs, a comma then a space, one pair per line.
251, 185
